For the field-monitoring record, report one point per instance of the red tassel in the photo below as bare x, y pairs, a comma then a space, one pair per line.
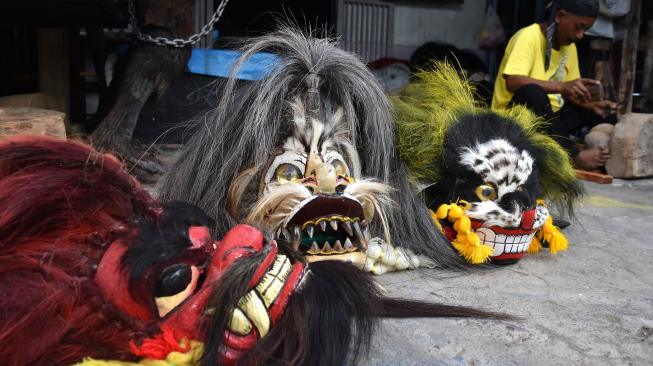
161, 345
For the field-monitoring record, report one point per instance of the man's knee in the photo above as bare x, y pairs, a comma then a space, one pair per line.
534, 98
530, 93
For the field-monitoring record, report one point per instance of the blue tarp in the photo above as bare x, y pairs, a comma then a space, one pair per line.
219, 63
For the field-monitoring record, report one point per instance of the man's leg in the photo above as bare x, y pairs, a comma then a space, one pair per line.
536, 99
569, 122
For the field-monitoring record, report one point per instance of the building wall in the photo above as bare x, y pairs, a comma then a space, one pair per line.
455, 23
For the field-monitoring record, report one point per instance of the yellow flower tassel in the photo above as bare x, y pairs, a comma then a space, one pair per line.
467, 242
552, 235
434, 217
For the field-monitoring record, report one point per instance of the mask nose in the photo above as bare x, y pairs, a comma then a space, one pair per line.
325, 176
527, 219
523, 200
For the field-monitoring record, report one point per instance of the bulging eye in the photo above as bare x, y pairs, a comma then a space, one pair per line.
341, 168
287, 173
486, 192
173, 280
175, 284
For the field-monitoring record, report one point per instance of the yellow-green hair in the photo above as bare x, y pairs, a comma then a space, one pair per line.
426, 110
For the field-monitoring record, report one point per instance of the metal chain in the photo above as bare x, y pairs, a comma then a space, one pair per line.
177, 42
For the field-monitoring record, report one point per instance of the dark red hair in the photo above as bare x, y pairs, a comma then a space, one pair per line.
61, 204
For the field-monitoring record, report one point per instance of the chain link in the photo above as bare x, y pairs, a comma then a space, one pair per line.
177, 42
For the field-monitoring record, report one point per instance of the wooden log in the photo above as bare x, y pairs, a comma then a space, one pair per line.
35, 121
631, 151
629, 56
647, 82
593, 177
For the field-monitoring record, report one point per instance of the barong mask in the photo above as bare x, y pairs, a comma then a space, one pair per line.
308, 154
488, 173
312, 194
91, 267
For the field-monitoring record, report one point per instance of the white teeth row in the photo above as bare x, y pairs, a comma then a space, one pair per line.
505, 243
252, 309
488, 235
337, 248
271, 284
508, 248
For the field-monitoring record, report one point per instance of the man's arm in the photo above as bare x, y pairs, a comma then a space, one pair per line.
573, 90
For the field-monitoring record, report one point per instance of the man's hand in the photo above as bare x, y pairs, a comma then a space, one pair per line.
603, 107
576, 90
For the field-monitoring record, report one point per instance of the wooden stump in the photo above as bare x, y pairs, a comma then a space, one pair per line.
150, 71
632, 147
14, 121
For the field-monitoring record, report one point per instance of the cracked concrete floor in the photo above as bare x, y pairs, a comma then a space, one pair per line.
591, 305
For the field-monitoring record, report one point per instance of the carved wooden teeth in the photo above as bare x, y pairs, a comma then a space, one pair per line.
310, 230
357, 236
252, 309
348, 245
314, 248
326, 249
362, 241
366, 231
272, 283
296, 236
337, 247
296, 233
348, 229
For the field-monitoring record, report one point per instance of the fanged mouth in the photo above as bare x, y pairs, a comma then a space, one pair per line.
327, 235
327, 225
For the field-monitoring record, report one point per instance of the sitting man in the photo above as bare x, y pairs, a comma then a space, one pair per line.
540, 70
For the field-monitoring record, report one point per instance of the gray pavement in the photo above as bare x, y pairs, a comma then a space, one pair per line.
591, 305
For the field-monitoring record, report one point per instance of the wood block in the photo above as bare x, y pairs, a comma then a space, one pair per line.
34, 100
631, 150
14, 121
593, 177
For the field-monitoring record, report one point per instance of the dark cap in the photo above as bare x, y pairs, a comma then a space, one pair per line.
584, 8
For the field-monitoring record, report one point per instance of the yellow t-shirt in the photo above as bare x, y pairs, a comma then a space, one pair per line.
525, 56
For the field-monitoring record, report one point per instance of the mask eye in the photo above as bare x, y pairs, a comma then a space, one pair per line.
341, 168
175, 284
486, 192
287, 173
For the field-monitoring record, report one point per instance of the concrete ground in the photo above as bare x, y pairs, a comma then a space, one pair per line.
591, 305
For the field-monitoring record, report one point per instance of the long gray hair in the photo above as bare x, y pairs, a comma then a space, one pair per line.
252, 120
